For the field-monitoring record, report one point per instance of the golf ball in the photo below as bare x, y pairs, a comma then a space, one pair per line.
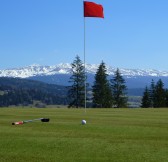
83, 122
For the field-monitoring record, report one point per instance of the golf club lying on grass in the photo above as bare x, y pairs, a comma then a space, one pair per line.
27, 121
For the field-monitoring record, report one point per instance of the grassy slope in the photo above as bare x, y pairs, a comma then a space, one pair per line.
117, 135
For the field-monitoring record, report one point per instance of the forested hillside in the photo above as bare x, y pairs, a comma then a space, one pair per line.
14, 91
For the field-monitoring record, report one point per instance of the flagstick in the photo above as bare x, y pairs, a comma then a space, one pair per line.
85, 62
88, 12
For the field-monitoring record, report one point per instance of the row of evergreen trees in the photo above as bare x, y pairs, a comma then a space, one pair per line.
105, 93
155, 96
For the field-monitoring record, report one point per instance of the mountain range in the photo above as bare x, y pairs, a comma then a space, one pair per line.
59, 74
65, 68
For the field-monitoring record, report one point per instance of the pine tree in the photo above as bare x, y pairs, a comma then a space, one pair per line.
102, 96
152, 93
160, 98
76, 93
146, 101
166, 97
119, 90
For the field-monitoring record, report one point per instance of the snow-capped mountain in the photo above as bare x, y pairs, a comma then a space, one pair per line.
38, 70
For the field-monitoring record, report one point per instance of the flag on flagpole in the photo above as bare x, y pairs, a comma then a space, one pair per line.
92, 9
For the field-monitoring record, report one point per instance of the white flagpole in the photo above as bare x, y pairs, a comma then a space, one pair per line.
85, 60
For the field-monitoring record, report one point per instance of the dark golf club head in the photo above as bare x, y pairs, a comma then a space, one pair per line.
45, 120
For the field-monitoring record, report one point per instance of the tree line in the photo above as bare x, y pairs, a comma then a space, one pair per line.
104, 93
155, 96
28, 96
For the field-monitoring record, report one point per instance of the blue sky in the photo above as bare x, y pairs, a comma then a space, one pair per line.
133, 34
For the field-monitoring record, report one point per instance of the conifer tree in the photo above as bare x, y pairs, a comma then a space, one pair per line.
146, 101
166, 97
102, 95
160, 98
76, 93
152, 93
119, 90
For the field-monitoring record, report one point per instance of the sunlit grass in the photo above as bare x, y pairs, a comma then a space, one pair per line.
117, 135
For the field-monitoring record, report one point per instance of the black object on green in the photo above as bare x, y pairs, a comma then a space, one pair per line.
45, 120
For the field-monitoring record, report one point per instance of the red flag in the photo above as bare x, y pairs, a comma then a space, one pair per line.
92, 9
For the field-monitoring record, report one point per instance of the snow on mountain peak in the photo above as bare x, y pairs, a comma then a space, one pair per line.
65, 68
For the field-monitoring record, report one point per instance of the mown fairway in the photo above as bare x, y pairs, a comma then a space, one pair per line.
117, 135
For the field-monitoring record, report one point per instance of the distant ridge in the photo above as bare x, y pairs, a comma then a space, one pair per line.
65, 68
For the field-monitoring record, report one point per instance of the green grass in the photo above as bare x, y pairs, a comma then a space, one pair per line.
116, 135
